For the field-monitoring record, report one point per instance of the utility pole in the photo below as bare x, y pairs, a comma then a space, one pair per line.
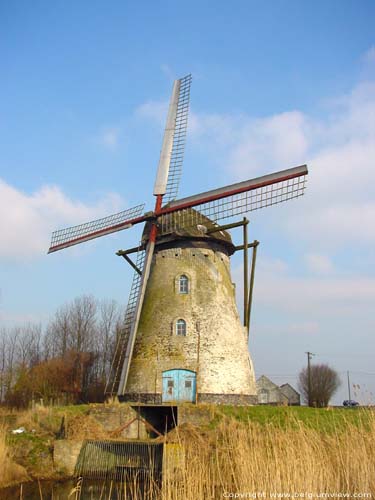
309, 356
348, 385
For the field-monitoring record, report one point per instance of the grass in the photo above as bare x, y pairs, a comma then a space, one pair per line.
321, 419
29, 454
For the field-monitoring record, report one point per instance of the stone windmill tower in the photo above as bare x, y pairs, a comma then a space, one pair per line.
183, 339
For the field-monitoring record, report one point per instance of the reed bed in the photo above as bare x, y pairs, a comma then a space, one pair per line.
10, 472
261, 460
246, 458
250, 460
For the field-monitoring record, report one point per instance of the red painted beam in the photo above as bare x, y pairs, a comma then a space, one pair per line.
234, 189
100, 232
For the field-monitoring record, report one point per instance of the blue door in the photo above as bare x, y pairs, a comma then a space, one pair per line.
179, 385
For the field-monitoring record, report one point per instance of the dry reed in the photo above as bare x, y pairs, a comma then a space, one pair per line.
252, 459
10, 472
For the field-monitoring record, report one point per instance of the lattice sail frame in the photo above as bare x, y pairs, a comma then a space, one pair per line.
74, 235
266, 191
179, 140
131, 309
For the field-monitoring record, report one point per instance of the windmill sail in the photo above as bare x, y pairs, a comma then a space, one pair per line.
172, 152
113, 381
179, 140
235, 199
137, 300
167, 181
74, 235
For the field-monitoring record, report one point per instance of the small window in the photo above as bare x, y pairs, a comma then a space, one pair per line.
170, 383
181, 327
188, 384
183, 284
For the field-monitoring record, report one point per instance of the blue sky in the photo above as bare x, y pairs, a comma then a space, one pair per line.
84, 92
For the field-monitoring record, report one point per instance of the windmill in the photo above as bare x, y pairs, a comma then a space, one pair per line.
184, 255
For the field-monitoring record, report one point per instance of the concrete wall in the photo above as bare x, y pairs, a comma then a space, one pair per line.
215, 346
65, 454
114, 417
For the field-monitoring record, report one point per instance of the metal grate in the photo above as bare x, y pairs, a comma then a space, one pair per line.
76, 234
120, 460
179, 139
233, 205
119, 357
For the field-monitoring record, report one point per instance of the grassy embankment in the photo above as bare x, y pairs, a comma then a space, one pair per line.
28, 455
238, 450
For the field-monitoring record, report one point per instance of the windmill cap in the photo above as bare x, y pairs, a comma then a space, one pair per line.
189, 225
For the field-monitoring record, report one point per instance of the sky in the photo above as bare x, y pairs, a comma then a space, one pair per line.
84, 91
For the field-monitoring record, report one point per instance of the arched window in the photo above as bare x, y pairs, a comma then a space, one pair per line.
183, 284
181, 327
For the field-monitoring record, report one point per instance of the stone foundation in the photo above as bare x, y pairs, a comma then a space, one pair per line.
153, 399
228, 399
218, 399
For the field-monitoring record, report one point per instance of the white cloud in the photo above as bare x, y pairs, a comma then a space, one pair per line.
27, 220
369, 56
155, 111
313, 295
168, 72
279, 289
109, 138
320, 264
340, 151
273, 142
11, 318
303, 328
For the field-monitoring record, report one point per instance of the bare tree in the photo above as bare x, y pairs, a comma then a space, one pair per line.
57, 334
107, 324
28, 344
324, 383
83, 322
11, 356
73, 327
83, 332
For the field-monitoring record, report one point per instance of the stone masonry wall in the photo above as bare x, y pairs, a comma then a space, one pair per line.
215, 346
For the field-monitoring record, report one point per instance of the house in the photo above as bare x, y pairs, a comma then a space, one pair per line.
294, 398
271, 394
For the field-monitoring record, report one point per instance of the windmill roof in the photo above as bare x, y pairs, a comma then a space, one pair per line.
189, 224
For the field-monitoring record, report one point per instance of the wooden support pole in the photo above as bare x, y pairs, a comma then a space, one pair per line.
241, 247
225, 227
121, 253
252, 275
245, 271
132, 264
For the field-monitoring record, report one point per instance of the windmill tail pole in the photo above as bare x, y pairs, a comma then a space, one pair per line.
245, 273
145, 276
252, 276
